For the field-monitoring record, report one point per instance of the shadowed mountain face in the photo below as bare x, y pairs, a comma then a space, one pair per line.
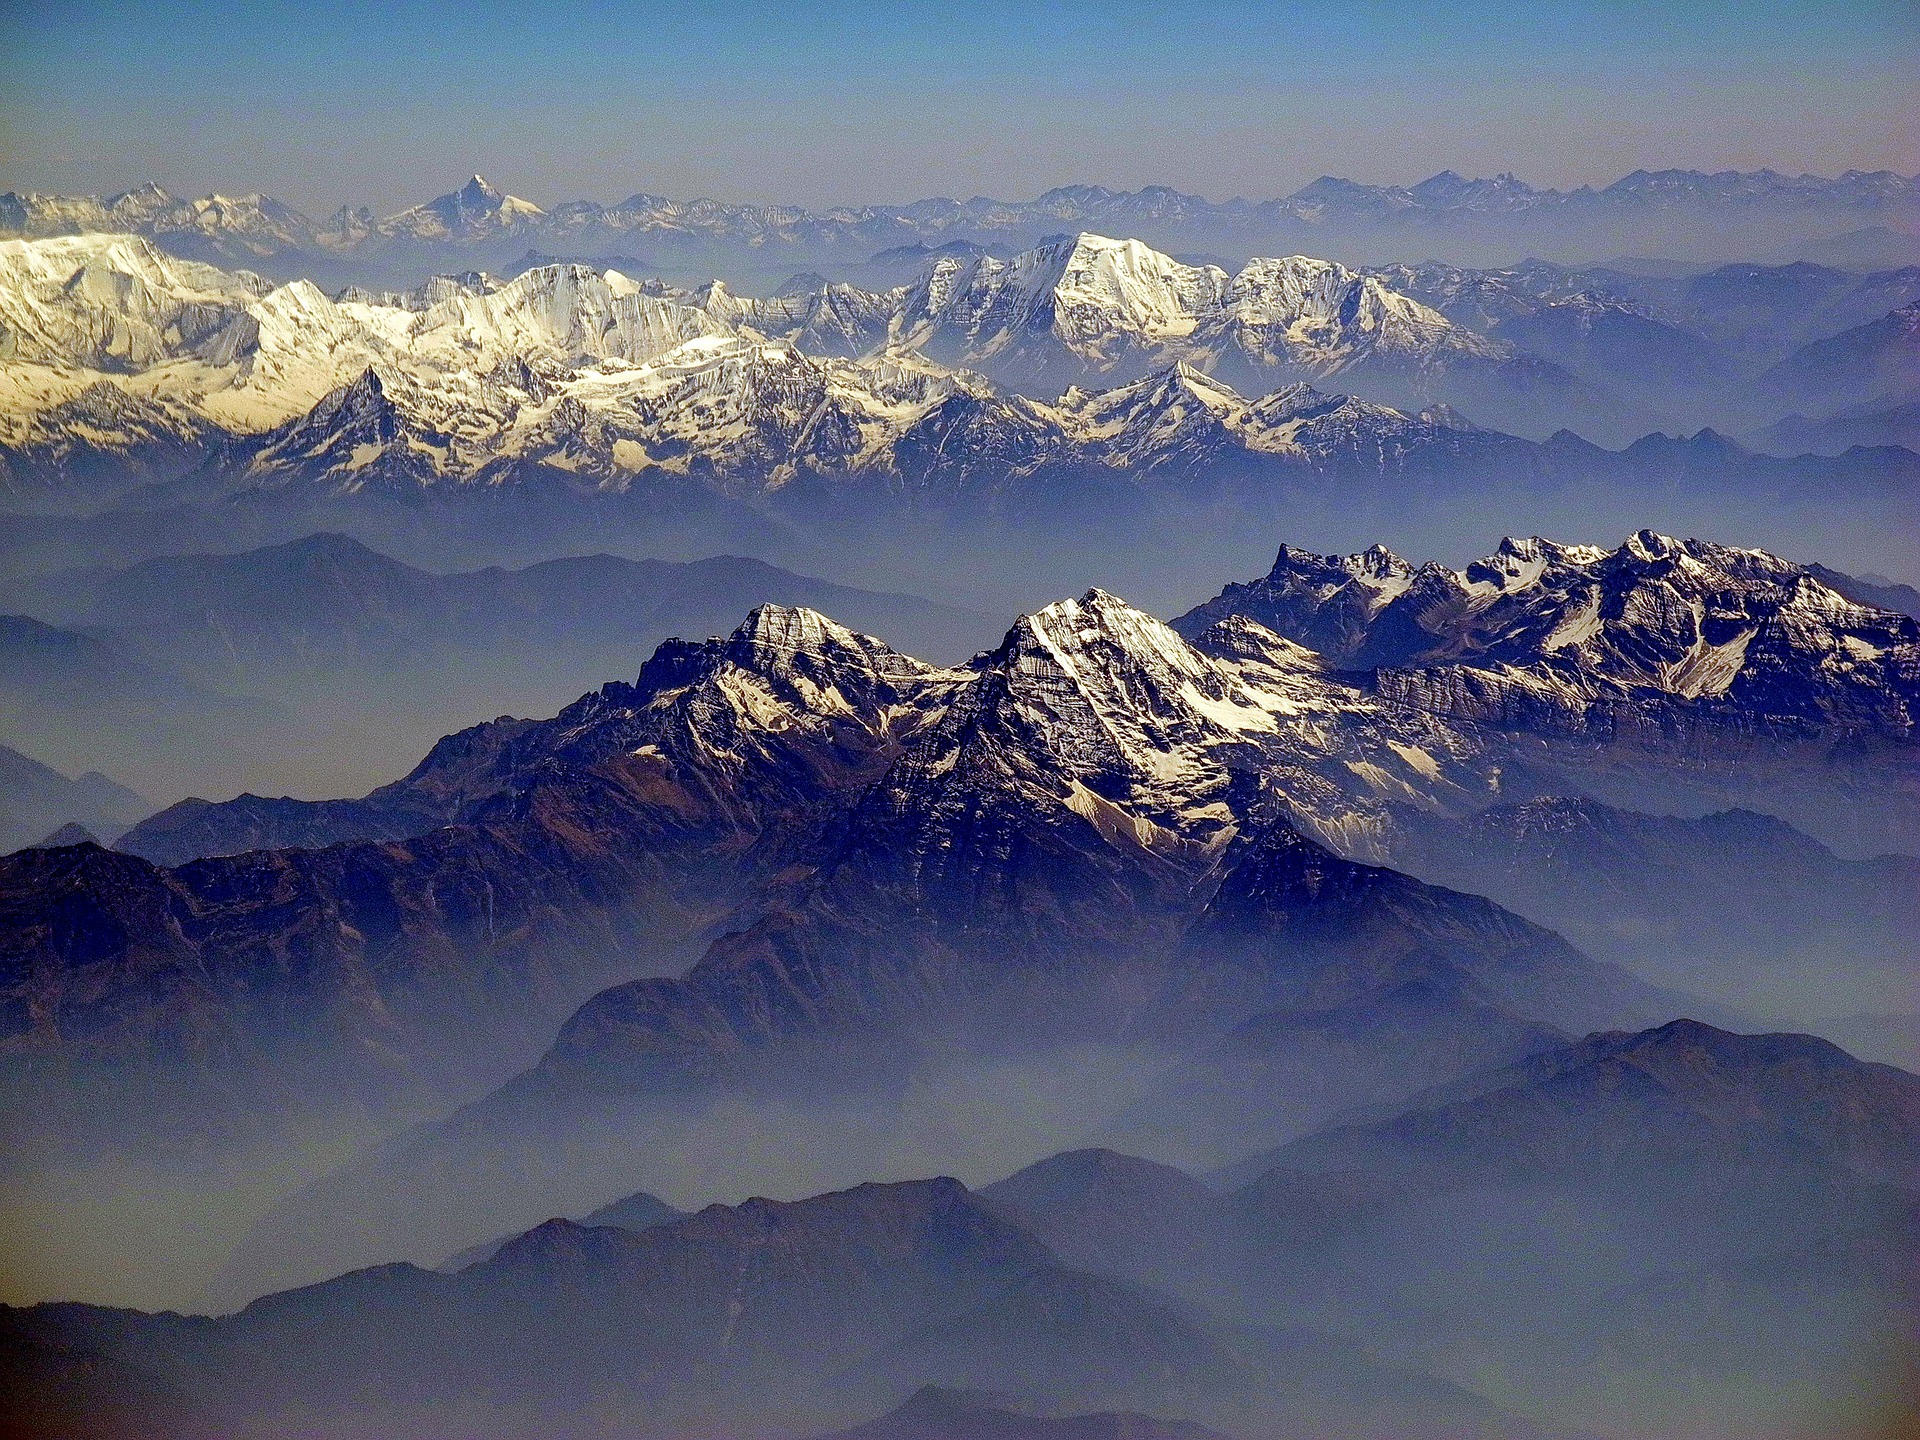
1098, 849
1751, 1197
1871, 362
1070, 861
754, 1318
587, 847
1619, 1101
1589, 1187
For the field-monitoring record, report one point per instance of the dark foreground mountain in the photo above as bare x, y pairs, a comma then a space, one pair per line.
1752, 1195
1752, 1198
543, 860
755, 1319
1098, 851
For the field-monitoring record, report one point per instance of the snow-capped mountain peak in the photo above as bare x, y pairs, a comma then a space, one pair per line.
478, 208
1106, 284
1092, 707
1547, 630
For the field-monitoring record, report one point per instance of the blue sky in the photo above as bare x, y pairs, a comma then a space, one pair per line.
386, 104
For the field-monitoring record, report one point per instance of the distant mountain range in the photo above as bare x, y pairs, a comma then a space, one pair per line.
1682, 213
1312, 1143
38, 803
1390, 998
1649, 891
242, 668
327, 605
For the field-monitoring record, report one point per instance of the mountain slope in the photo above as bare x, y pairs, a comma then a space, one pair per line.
1816, 936
1871, 362
1091, 800
578, 849
1750, 1198
596, 379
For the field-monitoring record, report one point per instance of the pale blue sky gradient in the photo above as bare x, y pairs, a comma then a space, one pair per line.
387, 104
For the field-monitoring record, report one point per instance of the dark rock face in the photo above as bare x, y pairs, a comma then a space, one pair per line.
571, 852
1070, 854
747, 1307
757, 1316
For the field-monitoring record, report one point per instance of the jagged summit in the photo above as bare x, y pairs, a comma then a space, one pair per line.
1559, 628
1093, 708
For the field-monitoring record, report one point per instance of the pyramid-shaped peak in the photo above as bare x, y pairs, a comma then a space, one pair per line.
1184, 378
1098, 630
778, 638
793, 628
1377, 559
151, 193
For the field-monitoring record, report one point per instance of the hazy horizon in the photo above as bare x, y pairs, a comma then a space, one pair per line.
322, 106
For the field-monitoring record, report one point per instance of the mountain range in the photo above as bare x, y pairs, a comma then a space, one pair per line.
37, 801
827, 849
1686, 214
1771, 1168
1372, 997
130, 366
320, 659
1149, 925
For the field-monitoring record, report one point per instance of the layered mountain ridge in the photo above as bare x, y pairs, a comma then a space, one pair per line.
1283, 1296
590, 374
479, 214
